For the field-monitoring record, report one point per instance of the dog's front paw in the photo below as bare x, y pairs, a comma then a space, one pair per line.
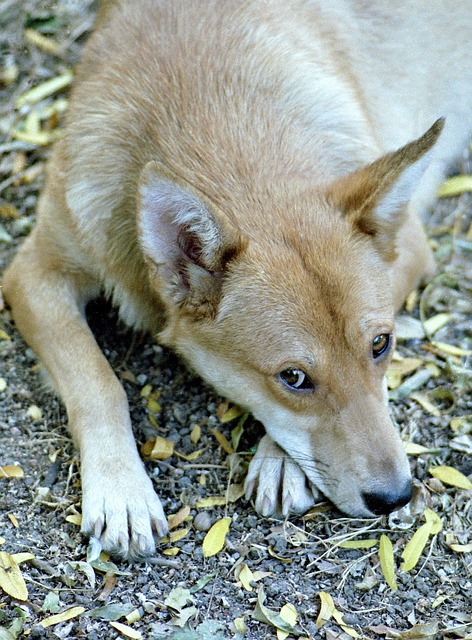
280, 484
122, 510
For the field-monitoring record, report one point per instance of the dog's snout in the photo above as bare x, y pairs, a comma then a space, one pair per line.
384, 502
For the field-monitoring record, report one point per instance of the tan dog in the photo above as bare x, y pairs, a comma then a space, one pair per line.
230, 177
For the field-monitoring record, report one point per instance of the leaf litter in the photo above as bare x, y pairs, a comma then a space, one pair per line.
426, 552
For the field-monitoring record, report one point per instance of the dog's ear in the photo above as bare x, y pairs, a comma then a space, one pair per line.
185, 239
375, 197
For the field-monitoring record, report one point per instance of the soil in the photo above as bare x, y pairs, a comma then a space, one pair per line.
186, 595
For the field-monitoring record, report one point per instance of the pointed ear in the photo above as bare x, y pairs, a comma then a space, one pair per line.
185, 239
375, 197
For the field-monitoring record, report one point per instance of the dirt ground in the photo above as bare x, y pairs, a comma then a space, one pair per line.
265, 564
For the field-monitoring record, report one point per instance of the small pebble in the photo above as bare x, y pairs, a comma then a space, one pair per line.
202, 521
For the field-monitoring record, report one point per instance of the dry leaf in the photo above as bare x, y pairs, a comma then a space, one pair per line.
173, 551
14, 520
11, 471
451, 476
22, 557
3, 384
413, 449
461, 548
44, 90
413, 550
34, 412
432, 516
327, 609
455, 186
222, 441
75, 518
338, 616
175, 536
157, 449
245, 577
266, 615
215, 539
190, 457
231, 414
240, 625
452, 350
176, 519
68, 614
425, 402
387, 561
196, 434
358, 544
289, 614
211, 501
433, 324
11, 580
126, 631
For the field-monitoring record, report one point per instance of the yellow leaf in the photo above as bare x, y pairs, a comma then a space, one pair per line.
2, 540
462, 425
461, 548
175, 536
289, 614
211, 501
338, 616
454, 186
196, 434
433, 324
222, 441
425, 402
189, 457
157, 449
327, 609
3, 384
231, 414
11, 580
413, 550
126, 631
432, 516
215, 539
173, 551
451, 476
387, 561
401, 368
134, 616
34, 413
452, 350
22, 557
75, 518
44, 90
4, 335
11, 471
74, 612
41, 41
235, 491
240, 625
14, 520
146, 391
177, 518
153, 406
358, 544
246, 577
413, 449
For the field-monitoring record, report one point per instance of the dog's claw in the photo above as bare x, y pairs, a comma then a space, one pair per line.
280, 484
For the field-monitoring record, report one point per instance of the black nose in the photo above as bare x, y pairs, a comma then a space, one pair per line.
383, 503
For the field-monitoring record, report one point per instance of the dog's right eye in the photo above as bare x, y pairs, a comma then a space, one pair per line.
296, 379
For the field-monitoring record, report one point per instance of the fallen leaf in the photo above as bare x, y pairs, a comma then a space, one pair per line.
179, 598
176, 519
338, 616
387, 561
455, 186
196, 434
266, 615
68, 614
240, 625
158, 448
451, 476
75, 518
327, 609
173, 551
231, 414
190, 457
238, 431
44, 90
433, 324
126, 631
34, 412
432, 516
358, 544
413, 550
222, 441
22, 557
11, 471
11, 580
452, 350
3, 384
111, 612
175, 536
211, 501
461, 548
413, 449
289, 614
423, 400
245, 577
235, 491
215, 539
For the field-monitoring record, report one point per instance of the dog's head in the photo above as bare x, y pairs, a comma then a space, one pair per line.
291, 315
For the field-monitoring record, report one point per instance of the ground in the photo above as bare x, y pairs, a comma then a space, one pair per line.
304, 561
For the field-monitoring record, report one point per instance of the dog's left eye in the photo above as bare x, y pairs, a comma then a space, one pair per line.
296, 379
380, 345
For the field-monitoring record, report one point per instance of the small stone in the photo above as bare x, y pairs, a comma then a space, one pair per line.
202, 521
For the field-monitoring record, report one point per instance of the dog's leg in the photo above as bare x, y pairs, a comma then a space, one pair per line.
415, 261
280, 484
47, 296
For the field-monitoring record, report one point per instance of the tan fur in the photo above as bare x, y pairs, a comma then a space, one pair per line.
243, 178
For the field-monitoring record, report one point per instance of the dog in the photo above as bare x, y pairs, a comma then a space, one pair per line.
245, 179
